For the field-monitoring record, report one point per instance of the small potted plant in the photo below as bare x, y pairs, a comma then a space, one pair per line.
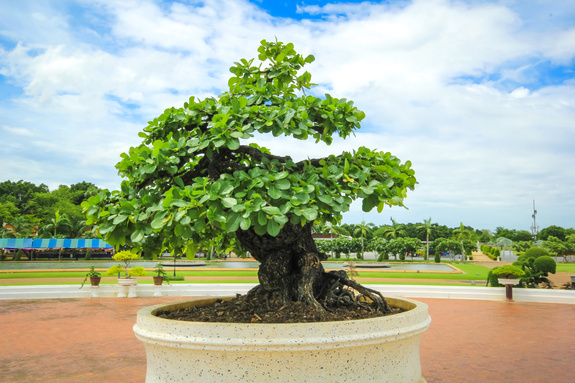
508, 275
94, 282
127, 281
94, 277
160, 275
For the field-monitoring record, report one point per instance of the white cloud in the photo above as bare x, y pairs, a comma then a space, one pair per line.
448, 85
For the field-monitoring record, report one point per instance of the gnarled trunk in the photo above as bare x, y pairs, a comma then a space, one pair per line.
291, 270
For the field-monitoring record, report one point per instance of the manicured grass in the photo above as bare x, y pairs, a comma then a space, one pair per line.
471, 272
566, 267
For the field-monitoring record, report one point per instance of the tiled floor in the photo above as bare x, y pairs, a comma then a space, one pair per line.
91, 340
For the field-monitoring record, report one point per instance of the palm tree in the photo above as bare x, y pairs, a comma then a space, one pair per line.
428, 230
394, 231
462, 234
60, 223
19, 227
78, 228
363, 229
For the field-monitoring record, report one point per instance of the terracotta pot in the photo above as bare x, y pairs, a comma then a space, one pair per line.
367, 350
158, 281
95, 281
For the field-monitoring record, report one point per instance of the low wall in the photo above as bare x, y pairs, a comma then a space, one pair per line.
226, 289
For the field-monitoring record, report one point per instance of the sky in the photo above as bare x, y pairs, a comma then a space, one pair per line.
479, 95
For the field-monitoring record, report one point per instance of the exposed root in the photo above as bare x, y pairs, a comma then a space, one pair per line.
347, 297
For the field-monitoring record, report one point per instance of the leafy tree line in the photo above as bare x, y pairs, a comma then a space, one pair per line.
428, 231
28, 210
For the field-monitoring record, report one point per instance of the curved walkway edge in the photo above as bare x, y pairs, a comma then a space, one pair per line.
227, 289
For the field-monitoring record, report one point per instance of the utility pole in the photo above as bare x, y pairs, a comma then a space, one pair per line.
534, 228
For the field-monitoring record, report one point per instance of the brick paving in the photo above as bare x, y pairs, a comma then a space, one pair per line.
91, 340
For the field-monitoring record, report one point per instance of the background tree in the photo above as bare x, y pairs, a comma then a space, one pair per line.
19, 227
427, 229
557, 247
447, 245
364, 231
396, 230
191, 179
555, 231
462, 234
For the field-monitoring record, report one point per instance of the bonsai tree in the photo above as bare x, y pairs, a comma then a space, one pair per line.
507, 272
199, 179
127, 257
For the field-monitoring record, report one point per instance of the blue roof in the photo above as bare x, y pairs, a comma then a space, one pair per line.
53, 243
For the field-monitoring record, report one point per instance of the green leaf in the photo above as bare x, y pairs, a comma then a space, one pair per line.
274, 192
309, 214
273, 228
271, 210
283, 184
262, 219
137, 236
325, 199
233, 222
229, 202
246, 223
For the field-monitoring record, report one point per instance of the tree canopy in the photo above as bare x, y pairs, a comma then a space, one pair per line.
199, 175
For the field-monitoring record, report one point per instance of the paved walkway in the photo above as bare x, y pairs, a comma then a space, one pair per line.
91, 340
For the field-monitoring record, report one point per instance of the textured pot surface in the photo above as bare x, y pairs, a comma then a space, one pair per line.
158, 280
384, 349
507, 281
95, 281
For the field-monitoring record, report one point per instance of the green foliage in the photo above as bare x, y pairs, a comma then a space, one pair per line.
137, 271
445, 245
535, 252
545, 264
88, 255
521, 246
537, 265
127, 257
91, 273
555, 231
18, 255
437, 258
192, 179
508, 271
159, 270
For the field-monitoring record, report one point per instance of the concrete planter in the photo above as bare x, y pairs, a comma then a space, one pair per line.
384, 349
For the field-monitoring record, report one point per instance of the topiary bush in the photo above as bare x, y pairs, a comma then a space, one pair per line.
88, 255
535, 252
508, 271
545, 264
537, 267
18, 255
437, 258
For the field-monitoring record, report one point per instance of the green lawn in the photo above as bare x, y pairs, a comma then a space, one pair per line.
566, 267
471, 272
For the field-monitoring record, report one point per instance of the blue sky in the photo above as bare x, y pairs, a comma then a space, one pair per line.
477, 94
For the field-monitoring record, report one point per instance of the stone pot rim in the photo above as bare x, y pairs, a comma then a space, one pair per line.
244, 336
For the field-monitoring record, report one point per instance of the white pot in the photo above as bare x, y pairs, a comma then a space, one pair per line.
384, 349
505, 281
127, 287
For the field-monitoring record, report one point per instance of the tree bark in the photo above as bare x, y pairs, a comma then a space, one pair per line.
291, 270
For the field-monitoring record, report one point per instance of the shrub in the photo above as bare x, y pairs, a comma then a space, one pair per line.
18, 255
535, 252
508, 271
545, 264
127, 257
437, 258
537, 268
492, 279
88, 255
